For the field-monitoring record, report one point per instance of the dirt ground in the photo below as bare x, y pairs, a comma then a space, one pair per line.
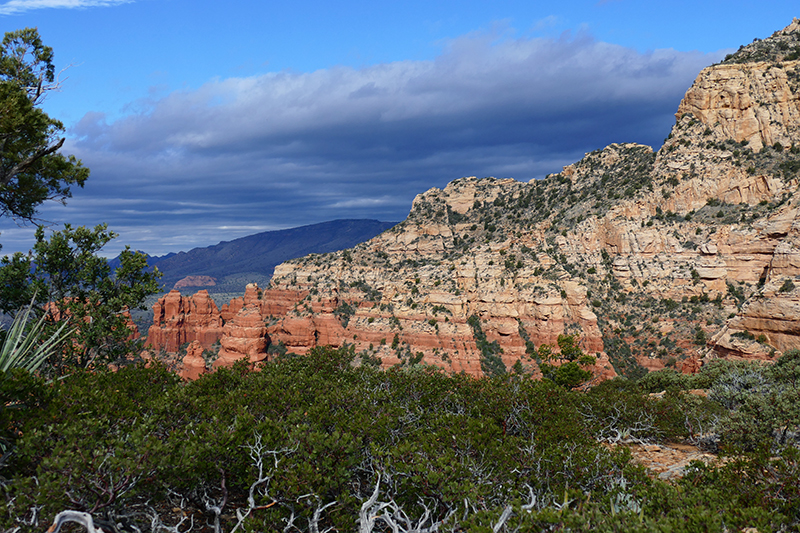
668, 461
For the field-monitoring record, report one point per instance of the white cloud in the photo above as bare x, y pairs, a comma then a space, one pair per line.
362, 202
15, 7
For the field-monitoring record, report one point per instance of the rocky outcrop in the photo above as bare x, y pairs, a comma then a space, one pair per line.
419, 311
691, 366
752, 96
751, 102
768, 322
178, 320
649, 258
193, 364
244, 336
195, 281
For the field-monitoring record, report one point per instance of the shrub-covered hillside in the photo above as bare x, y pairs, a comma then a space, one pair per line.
317, 444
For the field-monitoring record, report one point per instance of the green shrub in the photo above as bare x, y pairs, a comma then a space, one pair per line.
662, 380
491, 361
305, 432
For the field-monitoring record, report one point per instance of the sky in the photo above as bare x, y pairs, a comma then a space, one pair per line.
205, 121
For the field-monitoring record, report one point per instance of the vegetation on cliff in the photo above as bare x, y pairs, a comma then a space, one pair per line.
781, 46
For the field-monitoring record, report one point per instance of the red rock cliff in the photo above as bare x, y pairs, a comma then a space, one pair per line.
178, 320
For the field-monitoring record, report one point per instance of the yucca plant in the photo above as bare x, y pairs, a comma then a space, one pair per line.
23, 346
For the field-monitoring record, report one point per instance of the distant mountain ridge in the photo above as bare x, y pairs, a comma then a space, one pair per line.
258, 254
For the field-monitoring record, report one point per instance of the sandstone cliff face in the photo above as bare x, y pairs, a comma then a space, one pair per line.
652, 259
244, 337
195, 320
753, 102
406, 295
178, 320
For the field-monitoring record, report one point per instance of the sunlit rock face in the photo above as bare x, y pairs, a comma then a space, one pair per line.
193, 364
178, 320
244, 337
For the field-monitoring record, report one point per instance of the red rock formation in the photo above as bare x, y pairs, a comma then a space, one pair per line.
397, 338
299, 334
194, 365
178, 320
244, 336
691, 365
195, 281
252, 298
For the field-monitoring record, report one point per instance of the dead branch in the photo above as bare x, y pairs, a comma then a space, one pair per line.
84, 519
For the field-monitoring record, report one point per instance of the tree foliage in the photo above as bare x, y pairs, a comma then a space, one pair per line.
570, 372
63, 275
757, 404
70, 281
31, 169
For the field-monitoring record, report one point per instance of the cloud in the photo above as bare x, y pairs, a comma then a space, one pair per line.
15, 7
361, 202
517, 83
292, 148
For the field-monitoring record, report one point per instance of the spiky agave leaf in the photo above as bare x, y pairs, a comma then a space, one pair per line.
23, 346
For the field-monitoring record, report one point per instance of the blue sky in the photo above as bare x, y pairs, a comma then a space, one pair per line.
204, 121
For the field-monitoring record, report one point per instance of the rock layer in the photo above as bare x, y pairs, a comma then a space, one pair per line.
244, 337
753, 102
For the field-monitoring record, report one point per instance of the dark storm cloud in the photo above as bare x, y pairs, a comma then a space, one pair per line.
287, 148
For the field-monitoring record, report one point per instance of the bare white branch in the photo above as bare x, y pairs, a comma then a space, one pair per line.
503, 518
84, 519
258, 454
391, 514
313, 525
